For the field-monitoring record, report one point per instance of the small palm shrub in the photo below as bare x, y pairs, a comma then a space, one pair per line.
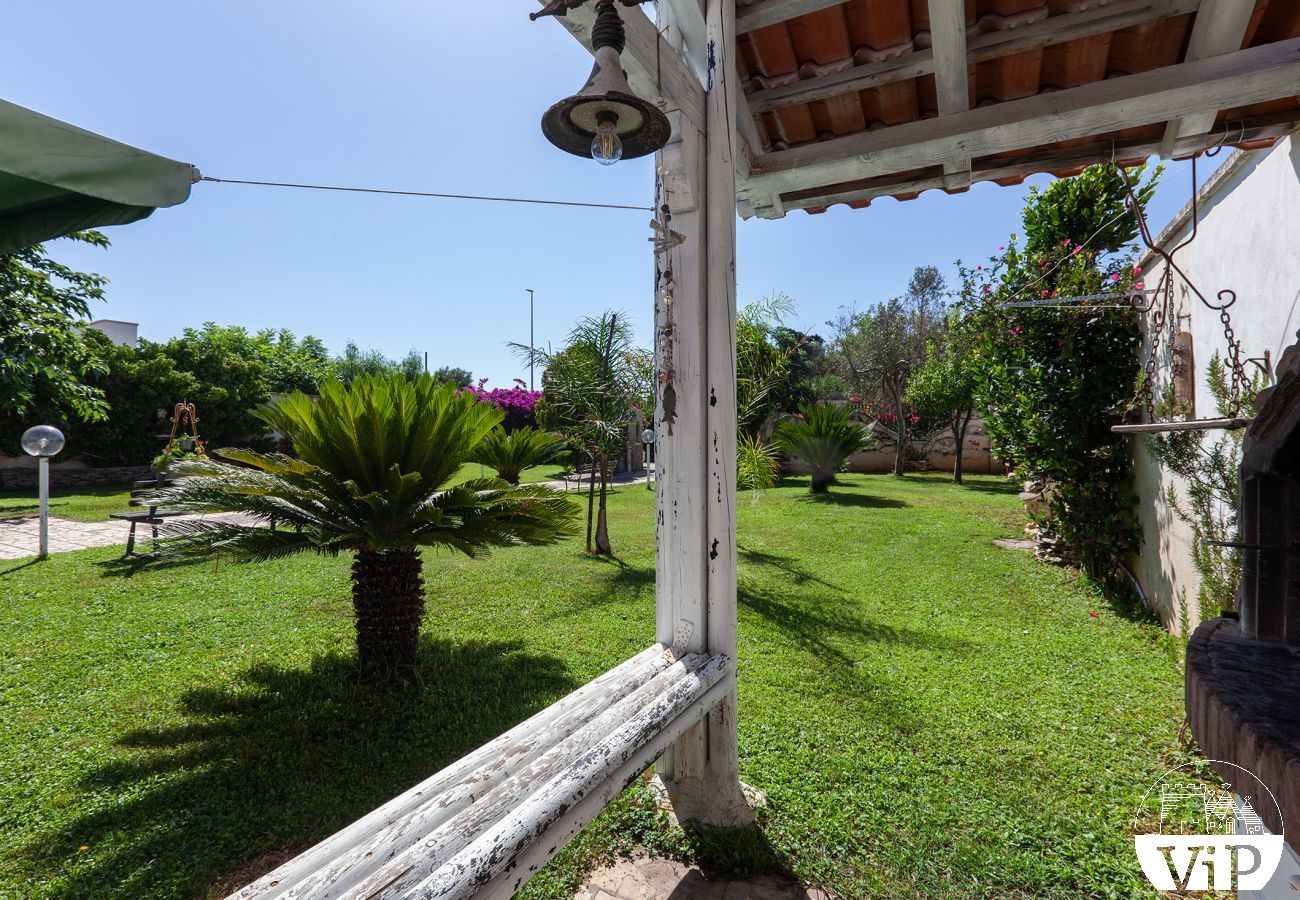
508, 453
822, 437
757, 465
370, 478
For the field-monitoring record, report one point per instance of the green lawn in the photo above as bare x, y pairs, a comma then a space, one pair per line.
929, 715
549, 472
86, 504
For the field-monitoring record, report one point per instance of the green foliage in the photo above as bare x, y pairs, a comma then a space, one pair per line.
1085, 208
141, 384
593, 390
357, 363
1051, 382
876, 350
457, 376
1213, 487
509, 453
234, 371
758, 465
373, 464
46, 369
944, 386
822, 436
761, 366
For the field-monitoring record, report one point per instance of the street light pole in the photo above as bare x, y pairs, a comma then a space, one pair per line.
43, 441
531, 345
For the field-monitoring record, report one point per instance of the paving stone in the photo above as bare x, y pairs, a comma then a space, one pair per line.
643, 878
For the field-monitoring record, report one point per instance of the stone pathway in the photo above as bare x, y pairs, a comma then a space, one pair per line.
660, 879
20, 538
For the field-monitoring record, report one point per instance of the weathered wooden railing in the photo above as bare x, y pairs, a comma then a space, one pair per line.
481, 827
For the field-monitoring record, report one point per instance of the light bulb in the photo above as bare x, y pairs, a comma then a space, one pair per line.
606, 148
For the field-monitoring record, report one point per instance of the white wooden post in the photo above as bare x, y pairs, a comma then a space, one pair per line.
695, 327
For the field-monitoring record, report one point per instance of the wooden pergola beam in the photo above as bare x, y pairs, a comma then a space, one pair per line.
951, 75
1249, 76
995, 44
1220, 27
770, 12
1039, 163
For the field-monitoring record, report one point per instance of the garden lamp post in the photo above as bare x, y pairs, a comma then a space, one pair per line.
647, 441
531, 344
43, 441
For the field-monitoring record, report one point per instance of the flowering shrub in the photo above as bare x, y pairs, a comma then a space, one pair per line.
1051, 382
518, 403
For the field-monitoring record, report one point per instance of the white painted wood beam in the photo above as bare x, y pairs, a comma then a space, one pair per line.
688, 23
1220, 27
1043, 163
655, 69
951, 75
1249, 76
770, 12
1046, 32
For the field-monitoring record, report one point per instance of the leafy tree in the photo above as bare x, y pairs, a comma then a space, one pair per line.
141, 385
452, 374
877, 350
822, 436
371, 479
592, 390
509, 453
356, 363
46, 369
806, 365
761, 366
945, 386
232, 379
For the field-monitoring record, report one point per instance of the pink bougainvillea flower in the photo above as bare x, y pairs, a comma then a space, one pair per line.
986, 290
1094, 615
979, 268
1002, 247
1076, 250
1137, 270
855, 399
1065, 243
1015, 331
1060, 342
1114, 276
1044, 292
1140, 285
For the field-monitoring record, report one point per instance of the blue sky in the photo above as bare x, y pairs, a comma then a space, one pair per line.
415, 95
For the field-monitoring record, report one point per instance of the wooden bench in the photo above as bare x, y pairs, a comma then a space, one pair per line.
153, 517
485, 824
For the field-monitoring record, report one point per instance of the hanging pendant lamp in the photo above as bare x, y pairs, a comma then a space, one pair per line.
606, 120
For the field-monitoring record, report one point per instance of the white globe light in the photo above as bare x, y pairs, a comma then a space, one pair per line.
648, 436
42, 440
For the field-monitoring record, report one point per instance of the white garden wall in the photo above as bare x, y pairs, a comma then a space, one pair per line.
1248, 241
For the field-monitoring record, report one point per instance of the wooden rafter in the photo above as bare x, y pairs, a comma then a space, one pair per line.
951, 75
770, 12
1220, 27
1044, 161
980, 48
1249, 76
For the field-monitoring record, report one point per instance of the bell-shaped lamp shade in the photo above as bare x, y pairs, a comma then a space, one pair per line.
42, 440
605, 120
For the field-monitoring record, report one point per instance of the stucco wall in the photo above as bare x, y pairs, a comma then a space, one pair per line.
1249, 241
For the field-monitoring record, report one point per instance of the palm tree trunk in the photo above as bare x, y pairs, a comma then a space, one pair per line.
591, 498
602, 524
388, 599
820, 482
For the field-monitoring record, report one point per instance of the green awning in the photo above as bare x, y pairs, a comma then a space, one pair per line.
56, 178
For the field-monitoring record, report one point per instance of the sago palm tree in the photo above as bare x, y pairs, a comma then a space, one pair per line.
508, 453
370, 478
823, 436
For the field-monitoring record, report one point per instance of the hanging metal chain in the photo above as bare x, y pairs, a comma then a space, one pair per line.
1227, 297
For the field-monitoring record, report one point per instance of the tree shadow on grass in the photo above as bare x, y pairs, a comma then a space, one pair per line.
786, 563
131, 566
836, 497
271, 762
